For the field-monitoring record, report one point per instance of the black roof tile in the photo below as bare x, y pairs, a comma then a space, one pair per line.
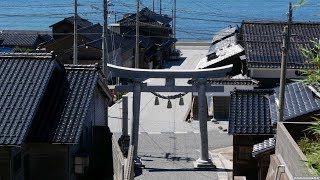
264, 147
23, 81
148, 16
250, 112
80, 22
13, 39
236, 80
92, 32
263, 41
114, 41
299, 100
82, 83
41, 101
65, 105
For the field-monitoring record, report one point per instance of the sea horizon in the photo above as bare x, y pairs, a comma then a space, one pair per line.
197, 21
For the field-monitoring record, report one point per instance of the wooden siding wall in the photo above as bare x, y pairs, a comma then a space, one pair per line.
221, 107
243, 162
47, 161
4, 163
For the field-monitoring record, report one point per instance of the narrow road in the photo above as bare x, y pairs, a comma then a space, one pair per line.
168, 145
158, 118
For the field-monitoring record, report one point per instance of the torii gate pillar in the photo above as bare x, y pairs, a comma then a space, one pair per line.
204, 160
135, 118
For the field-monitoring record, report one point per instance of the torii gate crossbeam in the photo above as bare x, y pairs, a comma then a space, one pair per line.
201, 87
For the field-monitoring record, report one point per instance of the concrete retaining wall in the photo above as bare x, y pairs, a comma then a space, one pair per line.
290, 155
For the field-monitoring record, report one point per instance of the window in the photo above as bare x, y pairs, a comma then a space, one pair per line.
80, 164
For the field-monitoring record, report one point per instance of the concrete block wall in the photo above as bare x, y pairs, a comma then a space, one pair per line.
290, 155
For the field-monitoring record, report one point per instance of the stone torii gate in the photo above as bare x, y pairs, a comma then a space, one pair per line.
200, 76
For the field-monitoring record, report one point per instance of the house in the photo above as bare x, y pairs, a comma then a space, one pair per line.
53, 119
224, 50
120, 48
249, 123
156, 41
262, 42
219, 102
302, 103
152, 24
63, 46
253, 124
65, 27
12, 40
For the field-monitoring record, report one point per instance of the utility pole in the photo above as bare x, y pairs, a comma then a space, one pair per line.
285, 49
153, 5
136, 59
105, 56
75, 34
160, 7
174, 20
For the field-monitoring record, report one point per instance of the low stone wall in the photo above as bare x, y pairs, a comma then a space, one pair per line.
118, 161
290, 155
275, 170
123, 168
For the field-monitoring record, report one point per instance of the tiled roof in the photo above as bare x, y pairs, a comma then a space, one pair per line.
299, 100
80, 22
40, 101
236, 80
23, 80
65, 106
250, 112
165, 43
92, 32
82, 82
266, 146
114, 41
25, 38
220, 45
14, 39
223, 34
146, 15
224, 54
315, 88
263, 41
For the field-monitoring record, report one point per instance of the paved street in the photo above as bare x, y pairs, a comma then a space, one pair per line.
168, 145
157, 119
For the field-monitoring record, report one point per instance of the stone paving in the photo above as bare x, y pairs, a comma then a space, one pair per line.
168, 145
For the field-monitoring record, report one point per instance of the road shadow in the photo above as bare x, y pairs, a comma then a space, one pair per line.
169, 64
186, 169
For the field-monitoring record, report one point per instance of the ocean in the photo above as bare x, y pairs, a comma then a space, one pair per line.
197, 20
